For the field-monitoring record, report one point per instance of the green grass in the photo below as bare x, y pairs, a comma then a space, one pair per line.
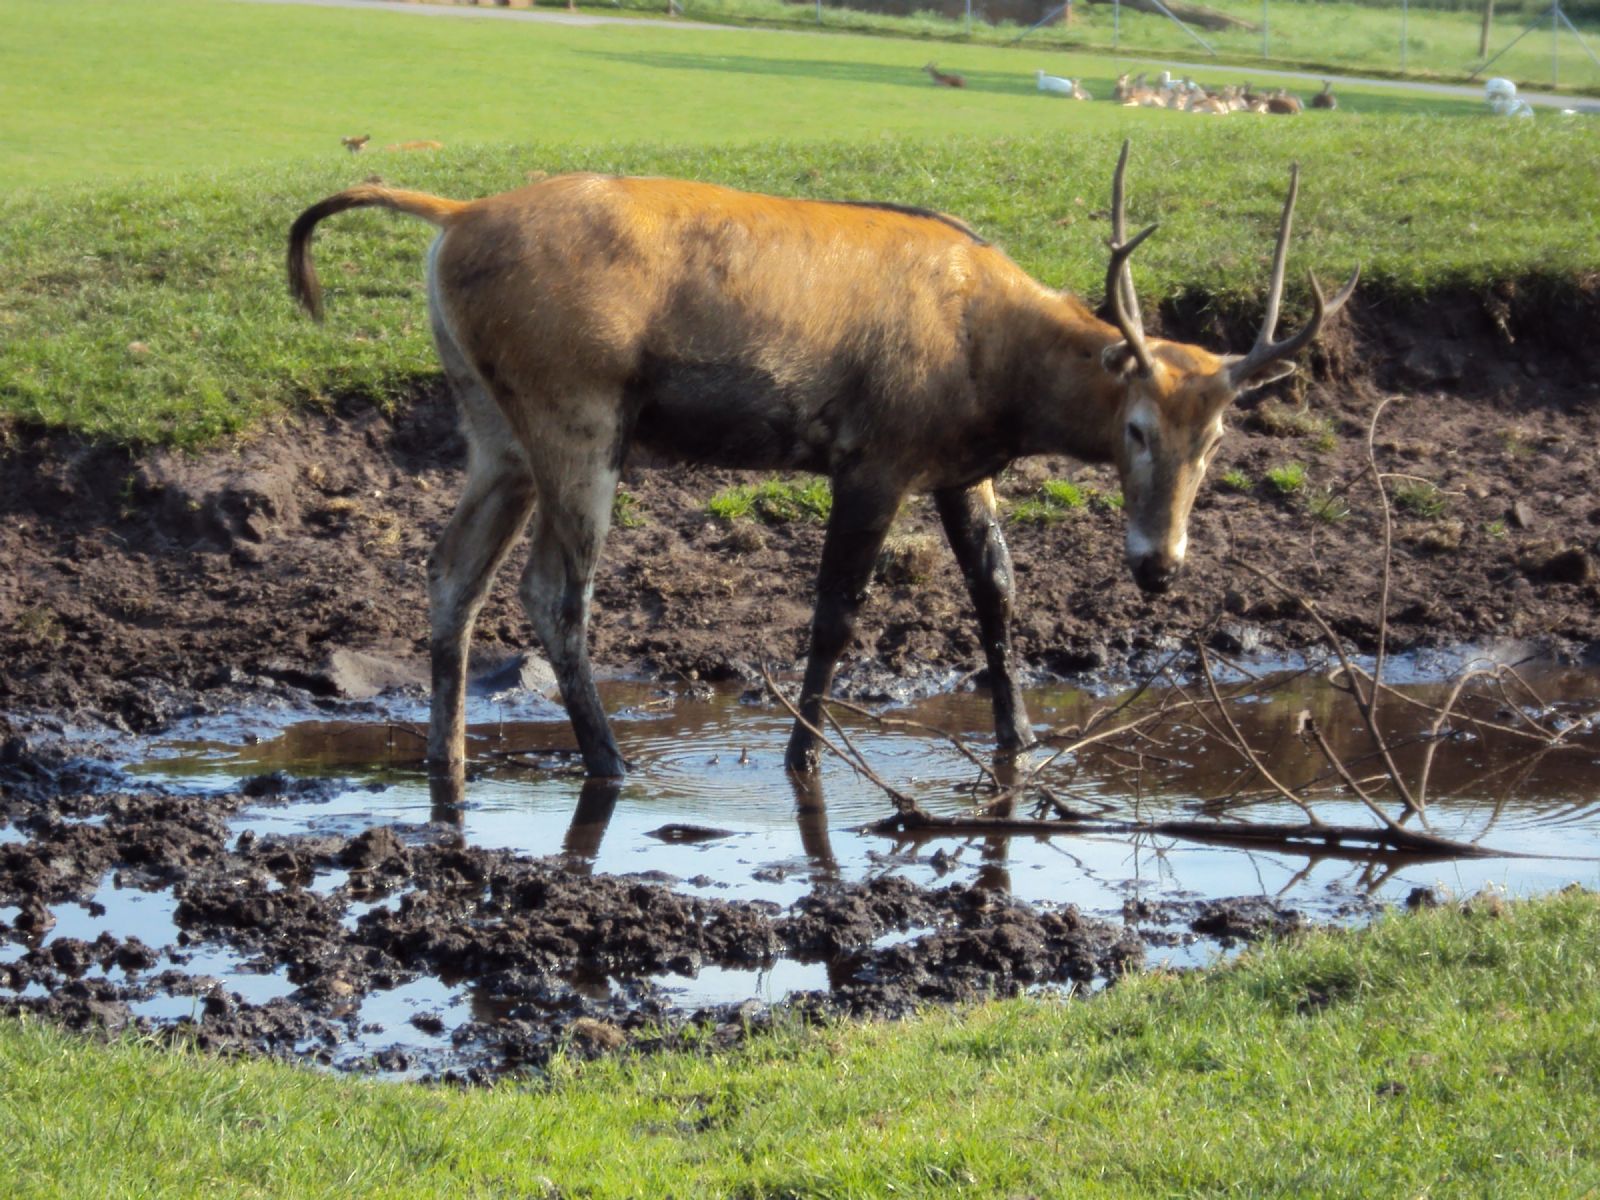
1439, 1054
1420, 499
152, 310
1288, 479
1320, 35
775, 501
1055, 500
1235, 480
1325, 504
103, 90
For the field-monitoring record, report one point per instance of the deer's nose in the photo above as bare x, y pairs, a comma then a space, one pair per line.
1154, 573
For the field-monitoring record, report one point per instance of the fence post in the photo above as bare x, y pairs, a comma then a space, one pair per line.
1405, 9
1555, 44
1264, 52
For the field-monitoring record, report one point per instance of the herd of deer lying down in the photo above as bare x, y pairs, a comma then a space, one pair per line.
1183, 95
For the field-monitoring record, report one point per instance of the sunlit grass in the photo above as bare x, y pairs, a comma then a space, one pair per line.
1439, 1054
157, 312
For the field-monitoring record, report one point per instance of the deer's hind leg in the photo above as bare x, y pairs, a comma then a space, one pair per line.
577, 460
492, 511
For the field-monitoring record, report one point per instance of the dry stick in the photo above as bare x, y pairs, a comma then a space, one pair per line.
884, 722
1369, 706
1238, 743
1349, 779
1330, 838
1350, 672
1537, 734
1438, 724
904, 805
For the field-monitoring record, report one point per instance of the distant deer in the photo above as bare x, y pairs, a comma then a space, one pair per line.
1325, 98
424, 144
944, 80
889, 348
355, 144
1283, 104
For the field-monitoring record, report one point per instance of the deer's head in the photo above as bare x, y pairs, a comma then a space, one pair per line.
1175, 395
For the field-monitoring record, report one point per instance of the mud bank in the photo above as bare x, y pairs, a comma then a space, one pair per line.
145, 587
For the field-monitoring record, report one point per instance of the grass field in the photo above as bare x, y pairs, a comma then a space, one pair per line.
141, 236
99, 90
1440, 1055
1306, 34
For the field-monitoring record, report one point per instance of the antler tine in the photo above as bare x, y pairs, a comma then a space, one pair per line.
1266, 350
1119, 276
1280, 257
1119, 231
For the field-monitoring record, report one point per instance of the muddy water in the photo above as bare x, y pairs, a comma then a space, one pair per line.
710, 804
710, 810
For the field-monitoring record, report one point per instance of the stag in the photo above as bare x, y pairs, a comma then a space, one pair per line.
890, 348
1325, 98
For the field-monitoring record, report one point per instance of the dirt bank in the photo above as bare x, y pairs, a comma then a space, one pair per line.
142, 588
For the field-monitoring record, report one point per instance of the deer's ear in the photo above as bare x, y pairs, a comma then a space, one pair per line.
1119, 359
1270, 373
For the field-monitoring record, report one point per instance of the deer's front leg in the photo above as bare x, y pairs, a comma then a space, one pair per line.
856, 528
972, 523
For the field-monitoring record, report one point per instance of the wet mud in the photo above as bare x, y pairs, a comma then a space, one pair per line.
289, 574
554, 958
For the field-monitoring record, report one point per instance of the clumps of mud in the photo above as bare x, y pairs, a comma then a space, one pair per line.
550, 958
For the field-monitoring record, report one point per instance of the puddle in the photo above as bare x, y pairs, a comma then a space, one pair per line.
710, 810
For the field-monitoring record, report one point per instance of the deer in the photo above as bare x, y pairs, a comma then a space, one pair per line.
1325, 98
891, 348
356, 144
1283, 103
945, 79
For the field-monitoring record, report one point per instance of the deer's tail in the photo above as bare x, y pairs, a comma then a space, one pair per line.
303, 283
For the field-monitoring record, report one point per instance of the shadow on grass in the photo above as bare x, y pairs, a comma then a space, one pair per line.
826, 70
1018, 83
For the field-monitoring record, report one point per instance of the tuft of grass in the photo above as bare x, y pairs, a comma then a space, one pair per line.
1287, 480
1278, 419
1327, 505
1420, 499
1235, 480
1055, 500
1104, 501
625, 510
775, 502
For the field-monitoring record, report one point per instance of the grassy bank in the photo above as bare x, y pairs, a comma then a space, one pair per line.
157, 312
1443, 1054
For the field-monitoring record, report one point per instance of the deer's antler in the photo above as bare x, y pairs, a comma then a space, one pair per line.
1267, 351
1119, 276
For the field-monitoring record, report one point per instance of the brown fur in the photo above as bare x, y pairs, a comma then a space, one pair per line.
889, 348
945, 79
355, 144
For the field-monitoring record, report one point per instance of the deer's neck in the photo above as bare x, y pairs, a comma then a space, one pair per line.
1044, 367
